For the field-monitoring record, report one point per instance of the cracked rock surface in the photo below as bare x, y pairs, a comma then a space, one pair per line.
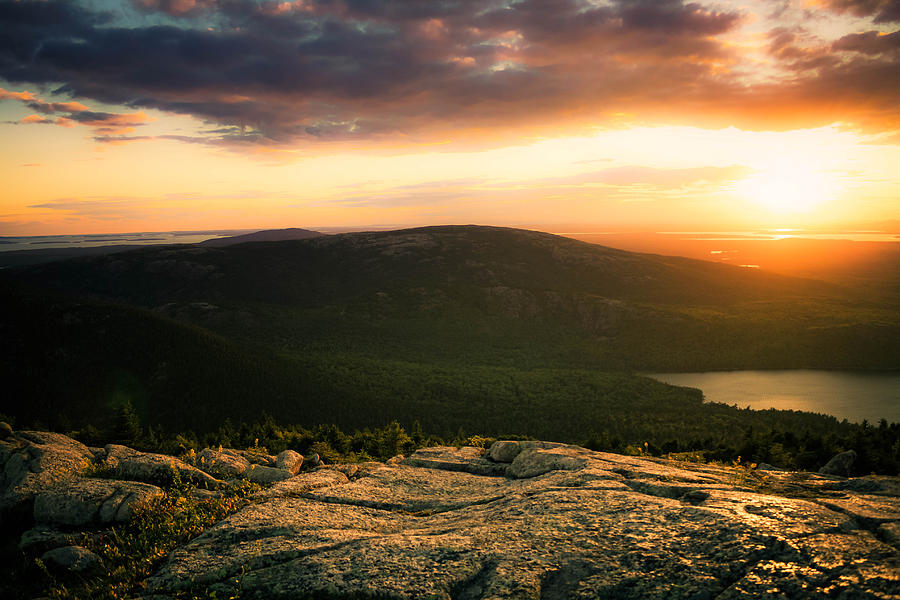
550, 521
33, 461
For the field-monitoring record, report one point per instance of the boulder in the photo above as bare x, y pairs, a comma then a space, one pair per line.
312, 460
5, 430
86, 502
504, 451
225, 464
767, 467
128, 463
71, 558
202, 494
264, 475
290, 461
42, 538
531, 462
840, 464
467, 459
573, 524
32, 461
255, 457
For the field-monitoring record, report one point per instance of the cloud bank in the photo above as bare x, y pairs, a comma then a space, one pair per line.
287, 72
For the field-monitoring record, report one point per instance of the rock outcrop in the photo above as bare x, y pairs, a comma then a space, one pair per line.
529, 520
839, 464
91, 502
130, 464
35, 461
71, 558
222, 463
545, 520
290, 461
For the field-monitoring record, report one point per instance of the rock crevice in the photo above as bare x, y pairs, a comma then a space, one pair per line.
552, 521
520, 520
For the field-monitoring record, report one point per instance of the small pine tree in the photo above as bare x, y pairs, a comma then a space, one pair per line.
126, 425
417, 435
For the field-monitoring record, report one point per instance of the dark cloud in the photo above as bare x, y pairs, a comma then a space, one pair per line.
176, 8
352, 69
882, 11
870, 42
267, 71
677, 18
103, 123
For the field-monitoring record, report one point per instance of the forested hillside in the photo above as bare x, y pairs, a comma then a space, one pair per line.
459, 330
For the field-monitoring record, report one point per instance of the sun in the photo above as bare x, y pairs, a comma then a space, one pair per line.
789, 187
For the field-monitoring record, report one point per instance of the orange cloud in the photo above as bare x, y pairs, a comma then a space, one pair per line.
111, 123
103, 123
277, 74
23, 96
35, 119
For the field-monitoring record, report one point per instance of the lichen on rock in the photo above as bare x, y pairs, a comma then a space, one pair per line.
564, 523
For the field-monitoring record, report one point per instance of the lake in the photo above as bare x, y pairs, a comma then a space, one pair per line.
851, 395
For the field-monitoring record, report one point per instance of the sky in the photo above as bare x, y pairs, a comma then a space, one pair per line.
160, 115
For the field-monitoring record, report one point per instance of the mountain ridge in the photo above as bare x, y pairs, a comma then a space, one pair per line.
265, 235
453, 326
483, 255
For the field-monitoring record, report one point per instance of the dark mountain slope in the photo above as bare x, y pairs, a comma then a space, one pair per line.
67, 364
66, 359
496, 331
490, 295
267, 235
345, 267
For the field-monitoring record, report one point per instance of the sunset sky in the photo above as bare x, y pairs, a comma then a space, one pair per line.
157, 115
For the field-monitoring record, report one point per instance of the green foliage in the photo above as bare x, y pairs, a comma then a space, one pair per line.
132, 552
444, 331
126, 426
702, 432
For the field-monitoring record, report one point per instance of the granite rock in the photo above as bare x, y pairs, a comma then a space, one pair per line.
33, 461
564, 523
88, 502
467, 459
839, 464
224, 463
71, 558
263, 475
504, 451
290, 461
130, 464
42, 538
255, 457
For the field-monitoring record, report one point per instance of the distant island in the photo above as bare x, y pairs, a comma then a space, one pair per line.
35, 256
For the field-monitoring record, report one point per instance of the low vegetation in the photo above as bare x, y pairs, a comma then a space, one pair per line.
133, 551
129, 552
